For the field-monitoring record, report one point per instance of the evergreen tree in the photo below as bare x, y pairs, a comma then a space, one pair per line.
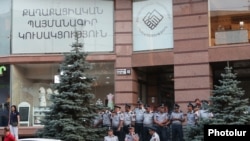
73, 109
196, 133
228, 105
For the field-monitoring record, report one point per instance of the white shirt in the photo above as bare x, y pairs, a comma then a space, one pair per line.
155, 137
111, 138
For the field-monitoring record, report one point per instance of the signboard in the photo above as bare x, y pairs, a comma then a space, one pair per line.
123, 71
48, 26
152, 24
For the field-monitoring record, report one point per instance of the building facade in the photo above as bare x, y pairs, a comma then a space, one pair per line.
157, 51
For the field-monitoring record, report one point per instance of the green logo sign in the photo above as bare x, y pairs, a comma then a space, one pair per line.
2, 68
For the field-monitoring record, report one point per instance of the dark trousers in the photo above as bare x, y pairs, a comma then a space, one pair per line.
120, 134
146, 136
177, 132
139, 130
163, 133
125, 129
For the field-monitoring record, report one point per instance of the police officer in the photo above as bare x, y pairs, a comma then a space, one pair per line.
131, 136
117, 122
110, 136
177, 118
196, 113
154, 136
204, 113
191, 121
161, 120
148, 120
128, 118
138, 112
105, 119
97, 119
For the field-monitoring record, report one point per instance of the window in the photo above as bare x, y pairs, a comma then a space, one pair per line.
4, 94
229, 21
32, 84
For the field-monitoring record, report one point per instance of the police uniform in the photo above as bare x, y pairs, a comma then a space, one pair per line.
155, 136
116, 119
204, 113
148, 120
106, 119
138, 113
131, 136
128, 119
162, 117
191, 121
97, 119
177, 118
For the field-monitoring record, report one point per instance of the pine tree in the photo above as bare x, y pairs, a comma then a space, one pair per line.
73, 110
196, 133
228, 104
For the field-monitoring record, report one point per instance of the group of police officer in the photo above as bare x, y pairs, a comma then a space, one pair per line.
145, 124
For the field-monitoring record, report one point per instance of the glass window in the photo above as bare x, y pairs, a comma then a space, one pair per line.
229, 21
5, 24
4, 94
241, 68
31, 86
152, 24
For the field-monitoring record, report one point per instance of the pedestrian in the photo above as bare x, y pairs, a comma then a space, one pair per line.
154, 136
14, 121
177, 118
131, 136
7, 135
110, 136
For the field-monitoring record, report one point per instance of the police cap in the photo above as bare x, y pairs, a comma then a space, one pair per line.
176, 105
147, 106
110, 128
127, 105
139, 102
116, 106
152, 128
162, 105
190, 105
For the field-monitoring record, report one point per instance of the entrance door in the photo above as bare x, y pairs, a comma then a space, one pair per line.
156, 85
